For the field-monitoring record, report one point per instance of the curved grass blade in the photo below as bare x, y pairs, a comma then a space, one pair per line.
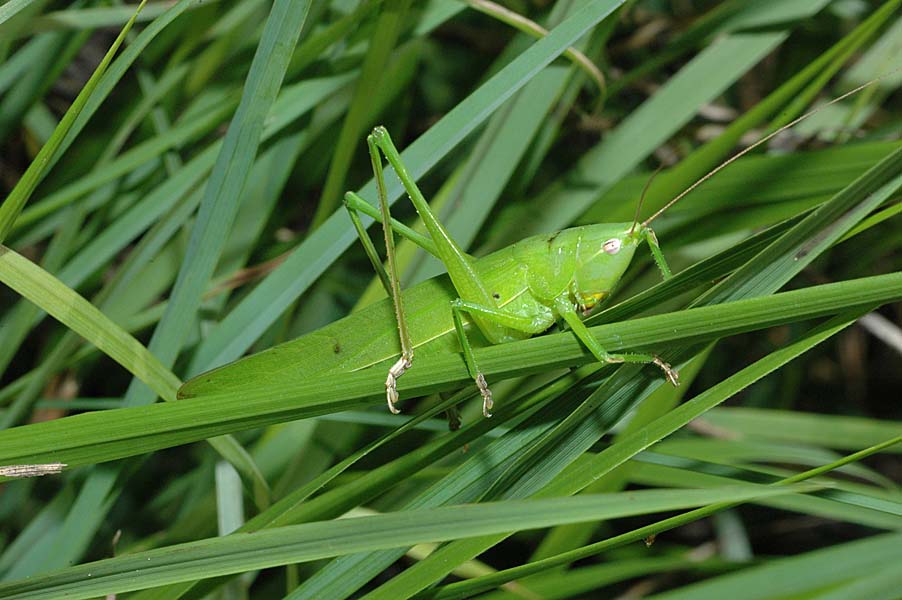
41, 288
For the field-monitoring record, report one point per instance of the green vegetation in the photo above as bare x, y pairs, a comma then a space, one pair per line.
172, 177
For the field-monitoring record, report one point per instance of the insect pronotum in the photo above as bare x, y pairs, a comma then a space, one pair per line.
523, 289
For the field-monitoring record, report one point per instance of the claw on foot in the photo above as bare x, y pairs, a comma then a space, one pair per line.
487, 402
669, 372
391, 382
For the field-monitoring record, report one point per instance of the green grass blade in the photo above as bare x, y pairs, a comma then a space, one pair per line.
81, 316
804, 575
829, 431
372, 72
122, 165
312, 541
92, 18
11, 8
220, 202
799, 246
15, 202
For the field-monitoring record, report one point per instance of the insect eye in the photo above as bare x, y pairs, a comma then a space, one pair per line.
612, 246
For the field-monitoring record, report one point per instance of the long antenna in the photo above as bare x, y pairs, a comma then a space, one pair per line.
758, 143
642, 197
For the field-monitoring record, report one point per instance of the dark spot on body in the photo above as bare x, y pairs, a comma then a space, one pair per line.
336, 347
496, 296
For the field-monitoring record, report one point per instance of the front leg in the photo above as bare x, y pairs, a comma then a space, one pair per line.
656, 253
564, 308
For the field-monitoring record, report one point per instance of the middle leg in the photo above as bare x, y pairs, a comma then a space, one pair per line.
500, 317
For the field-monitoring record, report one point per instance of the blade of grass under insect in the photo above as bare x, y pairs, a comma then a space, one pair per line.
311, 541
136, 430
261, 369
15, 201
259, 309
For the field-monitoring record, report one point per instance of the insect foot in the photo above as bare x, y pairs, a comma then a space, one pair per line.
487, 402
669, 372
391, 382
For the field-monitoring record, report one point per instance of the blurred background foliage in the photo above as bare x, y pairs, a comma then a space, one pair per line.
189, 187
